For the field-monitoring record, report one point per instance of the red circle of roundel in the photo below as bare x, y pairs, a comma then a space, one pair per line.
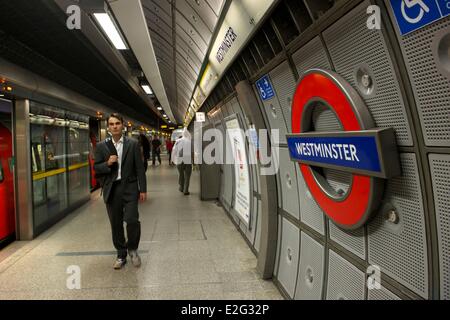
353, 208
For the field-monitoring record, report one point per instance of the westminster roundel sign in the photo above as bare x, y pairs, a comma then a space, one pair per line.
368, 153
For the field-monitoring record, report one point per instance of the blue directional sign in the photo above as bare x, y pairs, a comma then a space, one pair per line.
265, 88
412, 15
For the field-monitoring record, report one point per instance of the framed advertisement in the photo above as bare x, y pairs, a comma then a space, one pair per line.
242, 188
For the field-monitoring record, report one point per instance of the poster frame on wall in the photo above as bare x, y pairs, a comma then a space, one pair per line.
248, 223
219, 125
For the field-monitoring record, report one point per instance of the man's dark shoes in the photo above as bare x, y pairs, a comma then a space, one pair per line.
119, 263
186, 193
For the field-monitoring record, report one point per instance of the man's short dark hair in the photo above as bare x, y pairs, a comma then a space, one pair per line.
115, 115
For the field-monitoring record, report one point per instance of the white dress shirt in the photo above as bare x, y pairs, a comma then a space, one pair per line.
183, 147
119, 149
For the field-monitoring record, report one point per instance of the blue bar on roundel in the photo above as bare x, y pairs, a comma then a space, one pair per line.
353, 152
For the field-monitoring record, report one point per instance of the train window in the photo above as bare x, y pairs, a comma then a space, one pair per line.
272, 37
300, 13
285, 24
1, 171
319, 7
263, 46
60, 147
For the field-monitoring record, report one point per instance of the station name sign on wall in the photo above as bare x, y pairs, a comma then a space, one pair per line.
227, 42
362, 152
368, 153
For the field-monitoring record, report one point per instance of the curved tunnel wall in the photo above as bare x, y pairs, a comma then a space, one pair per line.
411, 93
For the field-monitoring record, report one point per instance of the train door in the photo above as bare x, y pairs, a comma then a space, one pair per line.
7, 212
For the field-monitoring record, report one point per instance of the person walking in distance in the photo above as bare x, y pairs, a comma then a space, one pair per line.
145, 149
169, 147
118, 160
182, 157
156, 150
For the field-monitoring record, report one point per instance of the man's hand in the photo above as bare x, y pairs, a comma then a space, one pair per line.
143, 196
112, 160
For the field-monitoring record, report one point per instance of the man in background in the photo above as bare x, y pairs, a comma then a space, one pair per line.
156, 150
182, 157
169, 147
145, 147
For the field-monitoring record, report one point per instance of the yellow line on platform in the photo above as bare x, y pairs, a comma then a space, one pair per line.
42, 175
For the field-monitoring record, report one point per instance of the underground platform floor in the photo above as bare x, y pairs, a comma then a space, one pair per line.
190, 250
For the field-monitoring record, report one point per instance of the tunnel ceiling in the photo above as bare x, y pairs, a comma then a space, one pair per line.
33, 35
181, 33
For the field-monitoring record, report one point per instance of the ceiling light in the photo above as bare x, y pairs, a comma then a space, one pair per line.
108, 26
145, 85
147, 89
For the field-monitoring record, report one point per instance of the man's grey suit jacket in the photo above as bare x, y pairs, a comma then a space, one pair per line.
132, 174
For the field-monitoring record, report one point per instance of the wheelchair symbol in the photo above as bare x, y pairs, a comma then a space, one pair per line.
263, 92
412, 3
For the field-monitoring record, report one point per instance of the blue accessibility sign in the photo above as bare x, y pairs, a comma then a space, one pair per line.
265, 88
412, 15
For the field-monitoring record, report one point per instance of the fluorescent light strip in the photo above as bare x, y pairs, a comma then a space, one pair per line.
147, 89
110, 29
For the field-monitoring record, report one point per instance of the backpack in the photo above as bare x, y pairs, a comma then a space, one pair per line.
112, 152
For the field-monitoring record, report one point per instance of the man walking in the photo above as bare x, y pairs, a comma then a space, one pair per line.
156, 150
145, 145
169, 147
182, 157
118, 160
